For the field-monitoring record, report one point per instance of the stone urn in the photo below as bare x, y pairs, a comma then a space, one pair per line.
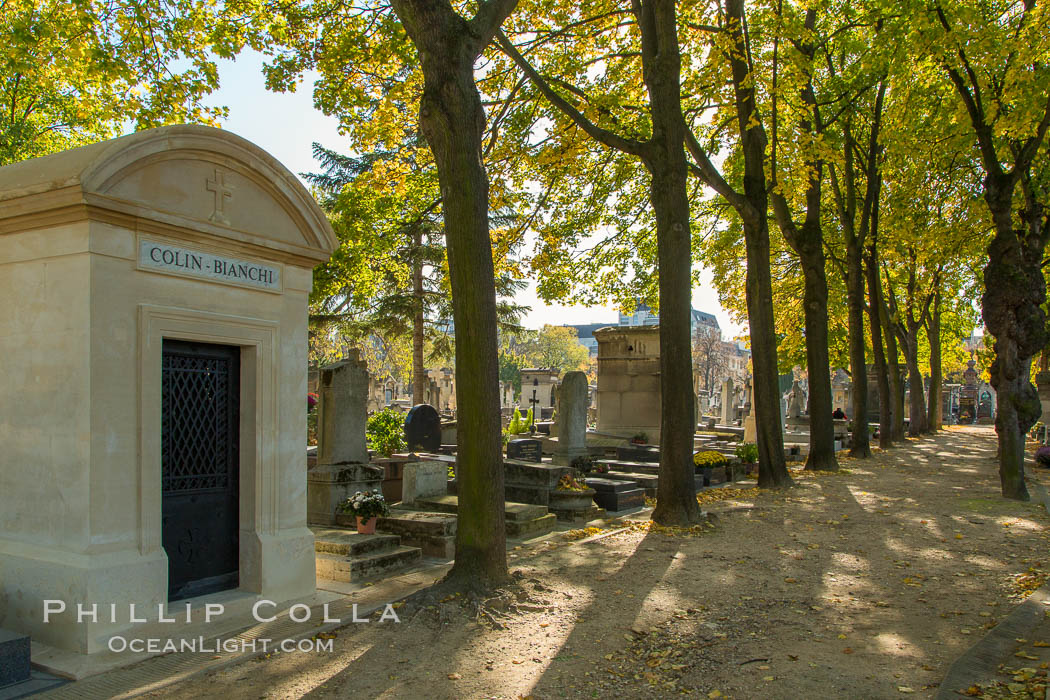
571, 500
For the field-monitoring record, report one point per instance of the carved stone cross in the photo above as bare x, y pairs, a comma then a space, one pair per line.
222, 193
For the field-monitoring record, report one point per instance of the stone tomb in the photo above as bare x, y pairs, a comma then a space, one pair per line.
153, 328
628, 393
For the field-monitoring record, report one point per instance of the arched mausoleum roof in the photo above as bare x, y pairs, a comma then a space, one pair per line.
171, 179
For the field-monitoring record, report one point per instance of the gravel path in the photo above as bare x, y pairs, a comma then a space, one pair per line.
862, 584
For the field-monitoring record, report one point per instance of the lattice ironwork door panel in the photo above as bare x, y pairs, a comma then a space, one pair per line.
200, 430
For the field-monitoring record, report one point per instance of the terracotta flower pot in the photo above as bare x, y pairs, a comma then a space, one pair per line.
366, 527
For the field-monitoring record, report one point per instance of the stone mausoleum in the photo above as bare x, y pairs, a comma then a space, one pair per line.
153, 321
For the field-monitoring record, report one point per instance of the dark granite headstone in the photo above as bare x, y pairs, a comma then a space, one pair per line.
615, 495
423, 428
524, 449
14, 658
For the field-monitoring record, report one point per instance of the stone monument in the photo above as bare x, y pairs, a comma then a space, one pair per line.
727, 401
342, 457
572, 418
628, 393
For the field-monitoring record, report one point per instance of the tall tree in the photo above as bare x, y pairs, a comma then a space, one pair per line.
733, 50
806, 237
664, 158
996, 56
452, 119
380, 64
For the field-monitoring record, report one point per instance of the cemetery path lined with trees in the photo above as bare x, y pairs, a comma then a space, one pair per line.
867, 583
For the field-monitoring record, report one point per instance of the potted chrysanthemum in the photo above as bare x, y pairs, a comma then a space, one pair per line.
367, 506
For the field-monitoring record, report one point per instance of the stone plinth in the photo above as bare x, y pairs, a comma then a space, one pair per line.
628, 393
328, 485
14, 658
638, 453
525, 482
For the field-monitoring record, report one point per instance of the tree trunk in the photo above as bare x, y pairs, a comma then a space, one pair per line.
818, 363
933, 333
917, 400
882, 372
1011, 307
893, 364
452, 120
772, 467
860, 445
418, 371
676, 502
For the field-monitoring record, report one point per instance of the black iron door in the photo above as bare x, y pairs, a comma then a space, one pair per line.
200, 427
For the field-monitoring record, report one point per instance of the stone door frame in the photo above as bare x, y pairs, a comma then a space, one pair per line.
259, 497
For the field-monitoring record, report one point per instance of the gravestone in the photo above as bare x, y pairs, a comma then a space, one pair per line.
424, 480
342, 413
342, 466
727, 401
525, 449
423, 428
153, 329
572, 418
795, 408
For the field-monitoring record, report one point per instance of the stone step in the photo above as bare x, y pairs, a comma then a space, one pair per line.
434, 533
350, 543
335, 567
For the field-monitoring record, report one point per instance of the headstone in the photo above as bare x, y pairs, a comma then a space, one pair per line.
424, 480
342, 466
795, 408
572, 418
525, 449
342, 416
423, 428
727, 401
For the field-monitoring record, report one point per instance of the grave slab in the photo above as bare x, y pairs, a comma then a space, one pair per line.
615, 496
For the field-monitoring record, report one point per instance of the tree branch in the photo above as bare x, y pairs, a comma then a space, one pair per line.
604, 136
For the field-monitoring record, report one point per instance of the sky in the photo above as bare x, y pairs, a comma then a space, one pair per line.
287, 124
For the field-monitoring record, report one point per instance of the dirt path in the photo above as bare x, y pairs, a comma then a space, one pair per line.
864, 584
